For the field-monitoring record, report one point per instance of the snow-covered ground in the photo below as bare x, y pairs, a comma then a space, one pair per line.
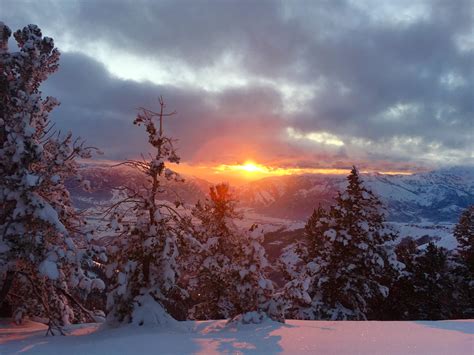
266, 223
439, 233
213, 337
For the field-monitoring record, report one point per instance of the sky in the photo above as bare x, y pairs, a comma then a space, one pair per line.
385, 85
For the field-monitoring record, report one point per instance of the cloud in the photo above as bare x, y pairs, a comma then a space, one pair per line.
389, 82
210, 126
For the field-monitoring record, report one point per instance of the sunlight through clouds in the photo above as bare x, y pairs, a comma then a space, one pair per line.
330, 80
318, 137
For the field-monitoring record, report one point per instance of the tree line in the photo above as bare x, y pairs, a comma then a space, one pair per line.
164, 264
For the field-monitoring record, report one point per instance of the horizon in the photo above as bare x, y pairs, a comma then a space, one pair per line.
239, 174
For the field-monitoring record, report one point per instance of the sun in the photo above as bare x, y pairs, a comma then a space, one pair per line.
251, 167
247, 170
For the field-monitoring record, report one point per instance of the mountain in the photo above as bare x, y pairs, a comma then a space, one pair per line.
433, 196
104, 179
436, 196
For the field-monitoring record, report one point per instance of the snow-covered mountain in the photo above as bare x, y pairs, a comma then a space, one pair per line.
433, 196
437, 196
104, 179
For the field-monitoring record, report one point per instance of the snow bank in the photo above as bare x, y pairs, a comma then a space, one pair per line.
151, 313
214, 337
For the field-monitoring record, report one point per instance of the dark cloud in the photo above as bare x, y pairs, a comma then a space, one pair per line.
394, 85
101, 108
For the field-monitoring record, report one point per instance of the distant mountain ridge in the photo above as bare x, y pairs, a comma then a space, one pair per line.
436, 196
433, 196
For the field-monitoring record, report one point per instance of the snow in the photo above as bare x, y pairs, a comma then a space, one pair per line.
50, 269
214, 337
331, 234
266, 223
47, 213
32, 180
440, 233
151, 313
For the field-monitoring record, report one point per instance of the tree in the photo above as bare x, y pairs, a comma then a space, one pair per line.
433, 285
300, 264
464, 234
230, 279
146, 255
400, 303
464, 259
44, 246
426, 289
348, 253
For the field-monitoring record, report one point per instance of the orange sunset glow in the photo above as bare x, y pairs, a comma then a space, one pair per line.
250, 170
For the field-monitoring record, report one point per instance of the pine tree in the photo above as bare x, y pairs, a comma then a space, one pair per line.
349, 252
230, 279
400, 303
426, 288
433, 285
146, 255
300, 264
464, 234
44, 247
464, 259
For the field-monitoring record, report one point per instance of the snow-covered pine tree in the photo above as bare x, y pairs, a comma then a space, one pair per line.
215, 231
464, 259
146, 255
43, 245
300, 263
349, 253
230, 279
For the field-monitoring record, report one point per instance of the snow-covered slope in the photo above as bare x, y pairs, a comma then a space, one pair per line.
215, 337
436, 196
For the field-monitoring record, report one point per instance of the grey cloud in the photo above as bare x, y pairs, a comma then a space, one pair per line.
100, 108
378, 64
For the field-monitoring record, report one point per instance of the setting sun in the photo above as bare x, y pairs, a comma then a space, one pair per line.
251, 167
247, 167
251, 170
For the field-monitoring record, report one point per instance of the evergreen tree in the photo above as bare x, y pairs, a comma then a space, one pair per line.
44, 247
427, 287
464, 259
433, 285
146, 255
349, 252
464, 234
400, 303
230, 279
300, 264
